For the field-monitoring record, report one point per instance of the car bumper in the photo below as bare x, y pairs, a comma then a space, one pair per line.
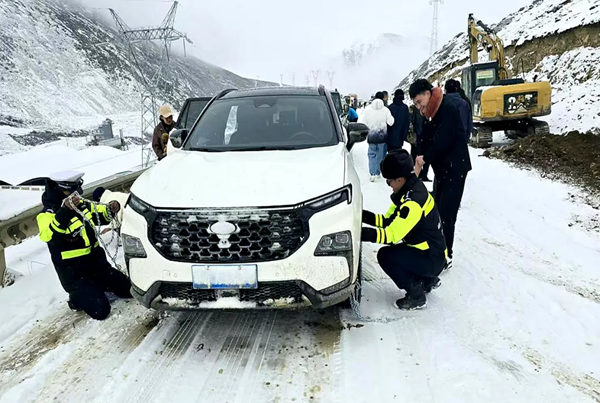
300, 280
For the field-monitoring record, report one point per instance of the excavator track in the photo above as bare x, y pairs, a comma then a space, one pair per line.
535, 127
540, 127
482, 137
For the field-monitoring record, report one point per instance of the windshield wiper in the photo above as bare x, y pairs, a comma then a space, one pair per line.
208, 150
267, 148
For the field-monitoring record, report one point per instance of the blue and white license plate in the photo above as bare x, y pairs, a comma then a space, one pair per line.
223, 277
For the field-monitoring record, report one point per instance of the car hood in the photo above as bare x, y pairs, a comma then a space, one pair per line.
241, 179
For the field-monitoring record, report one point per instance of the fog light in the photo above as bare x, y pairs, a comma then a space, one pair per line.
132, 246
334, 244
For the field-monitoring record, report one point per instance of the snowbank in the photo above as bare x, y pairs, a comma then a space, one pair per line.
96, 162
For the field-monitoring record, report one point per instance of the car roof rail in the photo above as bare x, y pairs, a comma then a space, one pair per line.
225, 92
321, 89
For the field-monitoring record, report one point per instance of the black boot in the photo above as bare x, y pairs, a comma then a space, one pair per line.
414, 298
430, 284
72, 306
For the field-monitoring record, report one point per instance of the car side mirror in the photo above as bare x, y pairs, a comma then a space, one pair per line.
178, 137
357, 132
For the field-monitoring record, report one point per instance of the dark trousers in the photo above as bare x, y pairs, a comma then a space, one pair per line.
406, 265
88, 280
414, 153
448, 195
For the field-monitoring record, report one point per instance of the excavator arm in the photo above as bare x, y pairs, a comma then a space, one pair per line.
481, 34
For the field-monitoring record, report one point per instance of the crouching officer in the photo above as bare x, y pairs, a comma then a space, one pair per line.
416, 254
79, 260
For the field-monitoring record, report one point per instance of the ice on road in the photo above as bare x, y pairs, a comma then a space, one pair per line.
516, 319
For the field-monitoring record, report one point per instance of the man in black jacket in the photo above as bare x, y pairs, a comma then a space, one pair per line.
68, 224
415, 255
398, 132
447, 152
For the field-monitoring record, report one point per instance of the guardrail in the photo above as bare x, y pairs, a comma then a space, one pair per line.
16, 229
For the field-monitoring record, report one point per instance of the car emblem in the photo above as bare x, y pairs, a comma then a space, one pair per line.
223, 229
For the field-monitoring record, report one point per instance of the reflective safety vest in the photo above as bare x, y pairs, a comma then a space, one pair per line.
68, 236
412, 219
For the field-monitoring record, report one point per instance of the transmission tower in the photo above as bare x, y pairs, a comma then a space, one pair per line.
293, 77
331, 74
307, 81
315, 74
434, 26
153, 80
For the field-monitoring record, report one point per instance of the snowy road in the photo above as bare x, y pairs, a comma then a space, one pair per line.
517, 319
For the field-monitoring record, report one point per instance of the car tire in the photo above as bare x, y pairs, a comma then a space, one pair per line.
357, 293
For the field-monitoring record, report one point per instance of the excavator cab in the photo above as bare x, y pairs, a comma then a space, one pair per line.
479, 75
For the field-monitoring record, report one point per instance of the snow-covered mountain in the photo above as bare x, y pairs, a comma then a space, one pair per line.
557, 40
54, 72
373, 64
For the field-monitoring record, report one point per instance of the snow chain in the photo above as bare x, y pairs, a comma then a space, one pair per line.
114, 225
355, 305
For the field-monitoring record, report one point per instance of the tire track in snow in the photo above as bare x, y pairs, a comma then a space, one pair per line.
176, 346
234, 355
22, 353
101, 351
585, 383
252, 356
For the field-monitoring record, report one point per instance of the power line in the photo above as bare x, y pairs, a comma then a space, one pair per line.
151, 81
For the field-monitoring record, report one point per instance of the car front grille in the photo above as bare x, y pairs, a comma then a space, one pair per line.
265, 292
259, 236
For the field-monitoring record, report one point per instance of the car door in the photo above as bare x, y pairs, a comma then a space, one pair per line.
190, 111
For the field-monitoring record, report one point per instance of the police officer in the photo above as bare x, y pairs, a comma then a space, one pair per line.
416, 251
78, 259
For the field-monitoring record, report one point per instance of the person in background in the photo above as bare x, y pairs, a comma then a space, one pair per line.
159, 144
453, 93
416, 251
386, 97
352, 115
417, 120
398, 132
377, 117
447, 152
80, 262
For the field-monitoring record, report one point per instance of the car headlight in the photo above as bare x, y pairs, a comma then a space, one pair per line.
331, 199
138, 205
132, 247
334, 244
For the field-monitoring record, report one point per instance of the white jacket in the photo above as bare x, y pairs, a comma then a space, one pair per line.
377, 117
121, 197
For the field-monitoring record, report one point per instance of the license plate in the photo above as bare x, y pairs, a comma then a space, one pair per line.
223, 277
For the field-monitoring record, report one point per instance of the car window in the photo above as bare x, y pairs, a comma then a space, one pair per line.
267, 122
193, 111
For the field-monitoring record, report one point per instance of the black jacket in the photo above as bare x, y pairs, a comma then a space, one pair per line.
398, 132
465, 112
417, 121
412, 219
444, 142
71, 239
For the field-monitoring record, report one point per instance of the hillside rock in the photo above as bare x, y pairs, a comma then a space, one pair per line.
555, 40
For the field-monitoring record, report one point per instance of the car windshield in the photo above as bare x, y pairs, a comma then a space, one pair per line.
264, 123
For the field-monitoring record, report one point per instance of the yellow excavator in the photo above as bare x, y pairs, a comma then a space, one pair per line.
501, 103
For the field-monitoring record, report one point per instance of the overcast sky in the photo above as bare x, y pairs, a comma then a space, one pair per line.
267, 38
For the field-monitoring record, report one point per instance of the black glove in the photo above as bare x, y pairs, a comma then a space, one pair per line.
368, 235
368, 217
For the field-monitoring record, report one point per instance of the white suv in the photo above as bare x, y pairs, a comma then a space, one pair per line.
260, 206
